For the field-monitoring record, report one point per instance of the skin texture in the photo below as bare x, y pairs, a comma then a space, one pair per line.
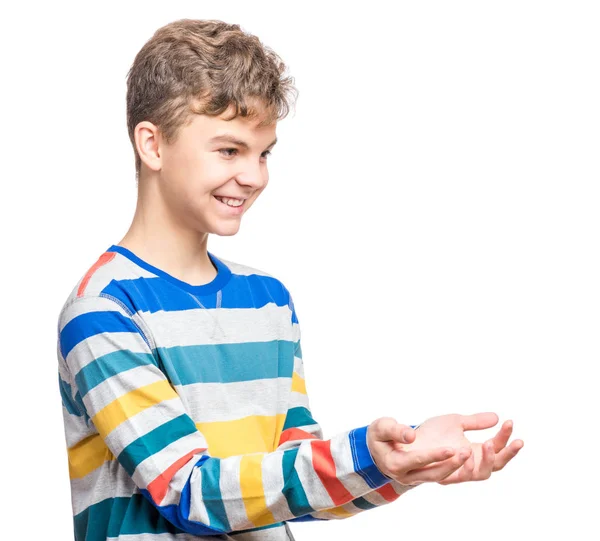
438, 450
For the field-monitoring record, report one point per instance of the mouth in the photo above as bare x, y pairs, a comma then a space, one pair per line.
234, 207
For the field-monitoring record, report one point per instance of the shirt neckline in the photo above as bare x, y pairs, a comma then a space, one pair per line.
218, 282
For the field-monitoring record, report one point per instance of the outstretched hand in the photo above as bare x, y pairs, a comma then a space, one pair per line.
438, 450
448, 430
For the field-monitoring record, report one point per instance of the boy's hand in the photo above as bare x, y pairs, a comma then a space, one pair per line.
389, 442
449, 430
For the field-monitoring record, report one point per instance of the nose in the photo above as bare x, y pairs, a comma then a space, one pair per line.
255, 177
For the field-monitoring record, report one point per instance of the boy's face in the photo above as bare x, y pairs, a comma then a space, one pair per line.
197, 168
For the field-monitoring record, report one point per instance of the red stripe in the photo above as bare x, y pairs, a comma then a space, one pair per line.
158, 488
295, 434
102, 260
325, 467
388, 493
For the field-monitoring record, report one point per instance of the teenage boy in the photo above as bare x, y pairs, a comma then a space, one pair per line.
181, 373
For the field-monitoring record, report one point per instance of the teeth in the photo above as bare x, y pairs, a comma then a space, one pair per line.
231, 202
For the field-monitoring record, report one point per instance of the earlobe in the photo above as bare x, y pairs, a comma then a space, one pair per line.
147, 144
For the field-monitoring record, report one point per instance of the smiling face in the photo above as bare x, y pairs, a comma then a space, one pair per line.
211, 158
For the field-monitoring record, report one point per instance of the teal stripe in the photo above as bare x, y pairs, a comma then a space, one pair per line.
120, 516
299, 350
67, 397
226, 363
154, 441
292, 487
299, 416
361, 503
109, 365
211, 495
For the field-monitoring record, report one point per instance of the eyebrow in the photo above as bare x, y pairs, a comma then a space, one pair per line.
233, 139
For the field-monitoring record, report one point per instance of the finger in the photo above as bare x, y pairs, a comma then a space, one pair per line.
501, 438
486, 466
478, 421
439, 471
389, 430
411, 460
462, 474
507, 454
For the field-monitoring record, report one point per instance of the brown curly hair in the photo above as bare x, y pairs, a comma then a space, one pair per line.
193, 66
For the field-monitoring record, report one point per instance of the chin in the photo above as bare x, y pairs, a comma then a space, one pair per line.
226, 231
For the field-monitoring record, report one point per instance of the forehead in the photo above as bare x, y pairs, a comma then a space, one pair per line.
243, 129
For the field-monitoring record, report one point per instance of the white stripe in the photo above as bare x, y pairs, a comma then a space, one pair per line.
157, 537
198, 511
119, 268
155, 464
296, 334
298, 400
231, 493
76, 429
316, 493
145, 421
213, 402
344, 466
96, 346
218, 326
242, 270
77, 306
272, 477
120, 384
299, 366
110, 480
178, 481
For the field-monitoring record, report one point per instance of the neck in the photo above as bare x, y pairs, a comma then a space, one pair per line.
159, 238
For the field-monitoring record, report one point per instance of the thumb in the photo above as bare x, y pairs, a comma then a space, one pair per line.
387, 429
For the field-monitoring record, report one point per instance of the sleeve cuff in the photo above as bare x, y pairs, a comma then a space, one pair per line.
364, 464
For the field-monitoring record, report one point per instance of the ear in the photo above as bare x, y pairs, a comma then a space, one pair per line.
147, 143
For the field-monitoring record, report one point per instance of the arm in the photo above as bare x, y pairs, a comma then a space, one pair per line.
301, 426
141, 421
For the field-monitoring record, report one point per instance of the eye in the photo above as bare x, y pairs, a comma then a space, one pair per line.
227, 150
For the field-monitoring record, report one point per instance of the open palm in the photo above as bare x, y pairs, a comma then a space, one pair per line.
449, 430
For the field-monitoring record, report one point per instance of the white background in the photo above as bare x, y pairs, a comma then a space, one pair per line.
432, 206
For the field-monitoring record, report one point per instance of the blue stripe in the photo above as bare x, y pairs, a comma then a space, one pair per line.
109, 365
219, 282
363, 461
154, 441
226, 363
211, 495
67, 398
305, 518
299, 416
363, 504
292, 486
154, 294
90, 324
120, 516
179, 514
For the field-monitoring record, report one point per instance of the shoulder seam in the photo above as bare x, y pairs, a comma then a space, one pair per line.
135, 320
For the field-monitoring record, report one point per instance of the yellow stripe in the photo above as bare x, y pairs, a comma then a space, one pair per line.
130, 404
87, 455
339, 511
298, 384
253, 434
252, 490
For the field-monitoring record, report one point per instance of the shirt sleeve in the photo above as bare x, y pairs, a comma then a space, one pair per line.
301, 426
140, 420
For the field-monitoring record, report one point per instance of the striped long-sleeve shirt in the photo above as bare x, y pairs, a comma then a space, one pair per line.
186, 413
